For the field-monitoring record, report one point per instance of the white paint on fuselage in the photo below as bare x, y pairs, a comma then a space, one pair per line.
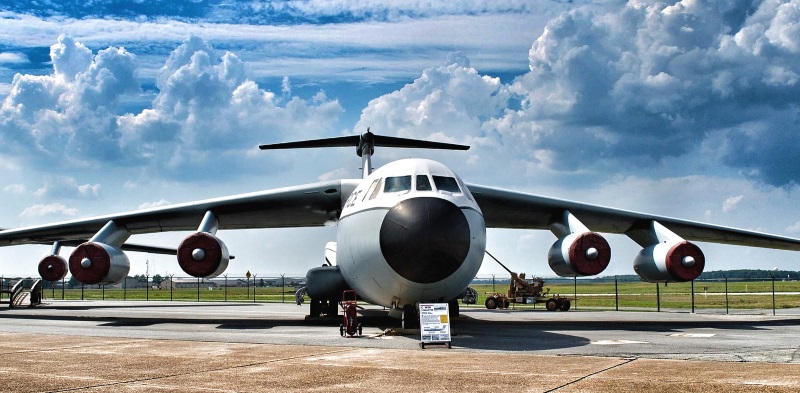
359, 253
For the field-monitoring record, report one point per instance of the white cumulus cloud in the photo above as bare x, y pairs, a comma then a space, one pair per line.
731, 203
150, 205
48, 210
206, 110
15, 188
62, 187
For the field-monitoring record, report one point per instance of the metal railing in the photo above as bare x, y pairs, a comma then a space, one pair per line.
740, 296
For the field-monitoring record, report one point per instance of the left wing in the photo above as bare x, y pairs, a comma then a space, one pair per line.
299, 206
510, 209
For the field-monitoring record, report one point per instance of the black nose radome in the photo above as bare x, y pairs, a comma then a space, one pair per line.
425, 240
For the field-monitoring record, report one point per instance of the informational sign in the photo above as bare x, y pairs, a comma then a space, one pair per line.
434, 323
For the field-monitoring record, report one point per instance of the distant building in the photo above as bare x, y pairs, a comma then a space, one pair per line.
177, 283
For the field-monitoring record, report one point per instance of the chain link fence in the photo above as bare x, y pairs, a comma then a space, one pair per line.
732, 296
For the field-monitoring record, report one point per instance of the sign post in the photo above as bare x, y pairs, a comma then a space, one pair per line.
434, 323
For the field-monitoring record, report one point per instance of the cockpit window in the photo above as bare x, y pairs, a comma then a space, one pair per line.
423, 184
444, 183
397, 184
372, 192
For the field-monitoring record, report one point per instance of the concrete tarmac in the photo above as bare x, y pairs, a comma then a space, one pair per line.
97, 346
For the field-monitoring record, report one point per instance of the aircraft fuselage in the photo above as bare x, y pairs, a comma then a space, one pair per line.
410, 232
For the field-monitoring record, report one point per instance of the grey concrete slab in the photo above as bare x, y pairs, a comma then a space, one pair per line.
165, 346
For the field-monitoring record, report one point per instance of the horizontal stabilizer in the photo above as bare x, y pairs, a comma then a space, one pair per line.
365, 143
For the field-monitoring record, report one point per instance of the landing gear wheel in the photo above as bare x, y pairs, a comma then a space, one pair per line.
410, 319
447, 344
453, 307
564, 305
316, 308
359, 329
551, 304
491, 303
506, 303
341, 330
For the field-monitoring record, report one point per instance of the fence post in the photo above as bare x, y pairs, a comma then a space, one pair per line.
104, 291
125, 289
493, 290
773, 292
692, 296
171, 285
283, 288
81, 291
198, 289
254, 288
226, 286
146, 287
575, 290
658, 298
726, 293
616, 293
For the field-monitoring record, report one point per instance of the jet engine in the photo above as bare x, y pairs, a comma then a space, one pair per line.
202, 254
675, 261
325, 282
579, 254
98, 263
53, 268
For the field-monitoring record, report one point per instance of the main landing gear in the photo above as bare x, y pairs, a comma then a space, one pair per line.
410, 317
323, 308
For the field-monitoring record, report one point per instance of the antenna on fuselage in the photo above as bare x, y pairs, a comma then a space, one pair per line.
365, 145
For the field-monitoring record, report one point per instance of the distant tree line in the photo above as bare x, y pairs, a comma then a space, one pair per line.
740, 274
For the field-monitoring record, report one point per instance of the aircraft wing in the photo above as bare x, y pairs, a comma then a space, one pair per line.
298, 206
510, 209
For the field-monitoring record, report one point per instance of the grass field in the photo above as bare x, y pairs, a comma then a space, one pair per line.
590, 294
707, 294
231, 294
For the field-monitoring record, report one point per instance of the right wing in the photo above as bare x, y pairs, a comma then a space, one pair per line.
511, 209
298, 206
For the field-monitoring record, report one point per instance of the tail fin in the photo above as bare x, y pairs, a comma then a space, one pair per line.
365, 143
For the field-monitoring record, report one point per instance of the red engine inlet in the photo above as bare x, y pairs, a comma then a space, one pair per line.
202, 254
97, 263
583, 254
53, 268
685, 261
670, 262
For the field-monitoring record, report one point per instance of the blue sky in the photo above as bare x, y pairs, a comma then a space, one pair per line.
688, 109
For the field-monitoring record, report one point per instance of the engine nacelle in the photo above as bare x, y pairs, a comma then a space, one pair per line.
202, 254
53, 268
579, 254
330, 253
325, 282
677, 261
98, 263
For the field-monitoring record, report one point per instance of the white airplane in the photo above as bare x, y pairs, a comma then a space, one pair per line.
410, 232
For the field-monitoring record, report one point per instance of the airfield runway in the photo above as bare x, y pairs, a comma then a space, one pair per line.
98, 346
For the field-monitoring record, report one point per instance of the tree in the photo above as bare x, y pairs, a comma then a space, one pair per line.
157, 279
73, 282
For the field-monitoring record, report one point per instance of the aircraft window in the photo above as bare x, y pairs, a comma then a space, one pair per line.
444, 183
372, 192
423, 184
397, 184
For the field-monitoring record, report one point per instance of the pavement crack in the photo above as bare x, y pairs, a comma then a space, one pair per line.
795, 356
626, 361
144, 380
